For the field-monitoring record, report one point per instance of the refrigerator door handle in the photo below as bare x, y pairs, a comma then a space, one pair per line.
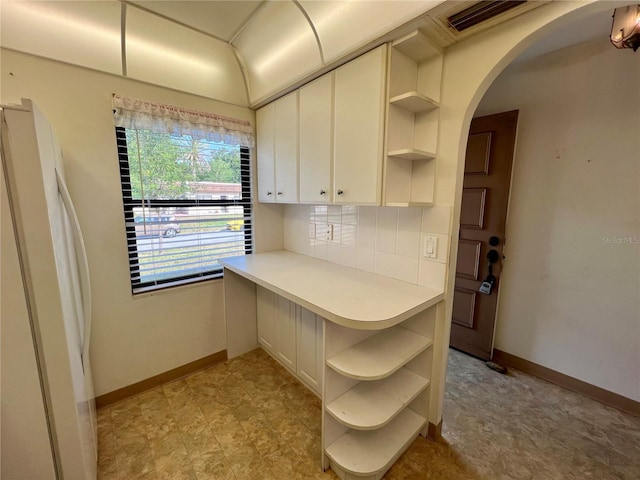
84, 265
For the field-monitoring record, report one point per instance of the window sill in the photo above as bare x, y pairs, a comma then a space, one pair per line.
175, 286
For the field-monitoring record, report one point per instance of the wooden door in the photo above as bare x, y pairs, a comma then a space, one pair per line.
487, 177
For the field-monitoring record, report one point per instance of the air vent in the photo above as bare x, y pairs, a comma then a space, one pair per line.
481, 12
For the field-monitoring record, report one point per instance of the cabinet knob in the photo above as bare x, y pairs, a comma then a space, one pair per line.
322, 192
340, 192
279, 193
269, 193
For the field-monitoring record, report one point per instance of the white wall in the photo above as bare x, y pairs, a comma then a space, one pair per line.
133, 338
382, 240
570, 290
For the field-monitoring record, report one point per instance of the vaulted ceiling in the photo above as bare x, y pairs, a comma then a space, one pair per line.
244, 52
241, 52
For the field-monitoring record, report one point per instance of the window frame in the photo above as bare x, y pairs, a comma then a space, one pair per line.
129, 203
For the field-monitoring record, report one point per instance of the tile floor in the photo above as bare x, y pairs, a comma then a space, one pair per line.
249, 419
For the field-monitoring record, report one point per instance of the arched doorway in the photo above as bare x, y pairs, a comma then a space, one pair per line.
470, 69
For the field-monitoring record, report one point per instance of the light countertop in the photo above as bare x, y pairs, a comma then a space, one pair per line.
346, 296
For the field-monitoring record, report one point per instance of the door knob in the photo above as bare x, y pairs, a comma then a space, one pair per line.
493, 256
279, 193
322, 192
340, 192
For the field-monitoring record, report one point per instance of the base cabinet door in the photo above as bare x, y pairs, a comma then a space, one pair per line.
266, 313
286, 332
310, 349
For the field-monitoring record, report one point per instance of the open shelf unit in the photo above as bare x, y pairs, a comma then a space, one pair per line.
371, 405
370, 454
414, 102
380, 355
411, 154
415, 73
376, 394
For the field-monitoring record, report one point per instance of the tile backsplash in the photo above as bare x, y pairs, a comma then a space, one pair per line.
388, 241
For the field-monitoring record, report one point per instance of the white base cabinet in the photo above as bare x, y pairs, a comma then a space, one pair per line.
292, 335
310, 358
364, 343
286, 338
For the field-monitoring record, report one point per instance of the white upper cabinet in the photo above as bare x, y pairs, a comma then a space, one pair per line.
277, 144
316, 141
360, 92
340, 117
286, 147
265, 140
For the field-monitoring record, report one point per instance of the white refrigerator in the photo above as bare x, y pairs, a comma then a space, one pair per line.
48, 419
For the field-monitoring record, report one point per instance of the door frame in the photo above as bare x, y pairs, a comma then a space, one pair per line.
504, 260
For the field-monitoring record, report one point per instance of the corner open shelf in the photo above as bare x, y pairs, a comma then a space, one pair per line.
416, 46
377, 394
371, 405
380, 355
415, 73
414, 102
411, 154
371, 453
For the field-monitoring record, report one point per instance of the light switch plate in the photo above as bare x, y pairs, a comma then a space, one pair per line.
430, 247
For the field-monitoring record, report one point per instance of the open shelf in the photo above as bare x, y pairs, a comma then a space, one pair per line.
416, 46
414, 101
367, 453
371, 405
379, 356
411, 154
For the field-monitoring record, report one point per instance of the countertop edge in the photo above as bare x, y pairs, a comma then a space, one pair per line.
331, 316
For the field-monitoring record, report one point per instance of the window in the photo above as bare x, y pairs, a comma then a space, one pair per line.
187, 204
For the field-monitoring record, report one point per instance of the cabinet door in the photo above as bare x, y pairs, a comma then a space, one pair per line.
359, 128
310, 349
266, 313
286, 332
286, 148
316, 149
265, 139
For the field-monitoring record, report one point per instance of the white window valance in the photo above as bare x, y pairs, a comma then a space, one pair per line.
160, 118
